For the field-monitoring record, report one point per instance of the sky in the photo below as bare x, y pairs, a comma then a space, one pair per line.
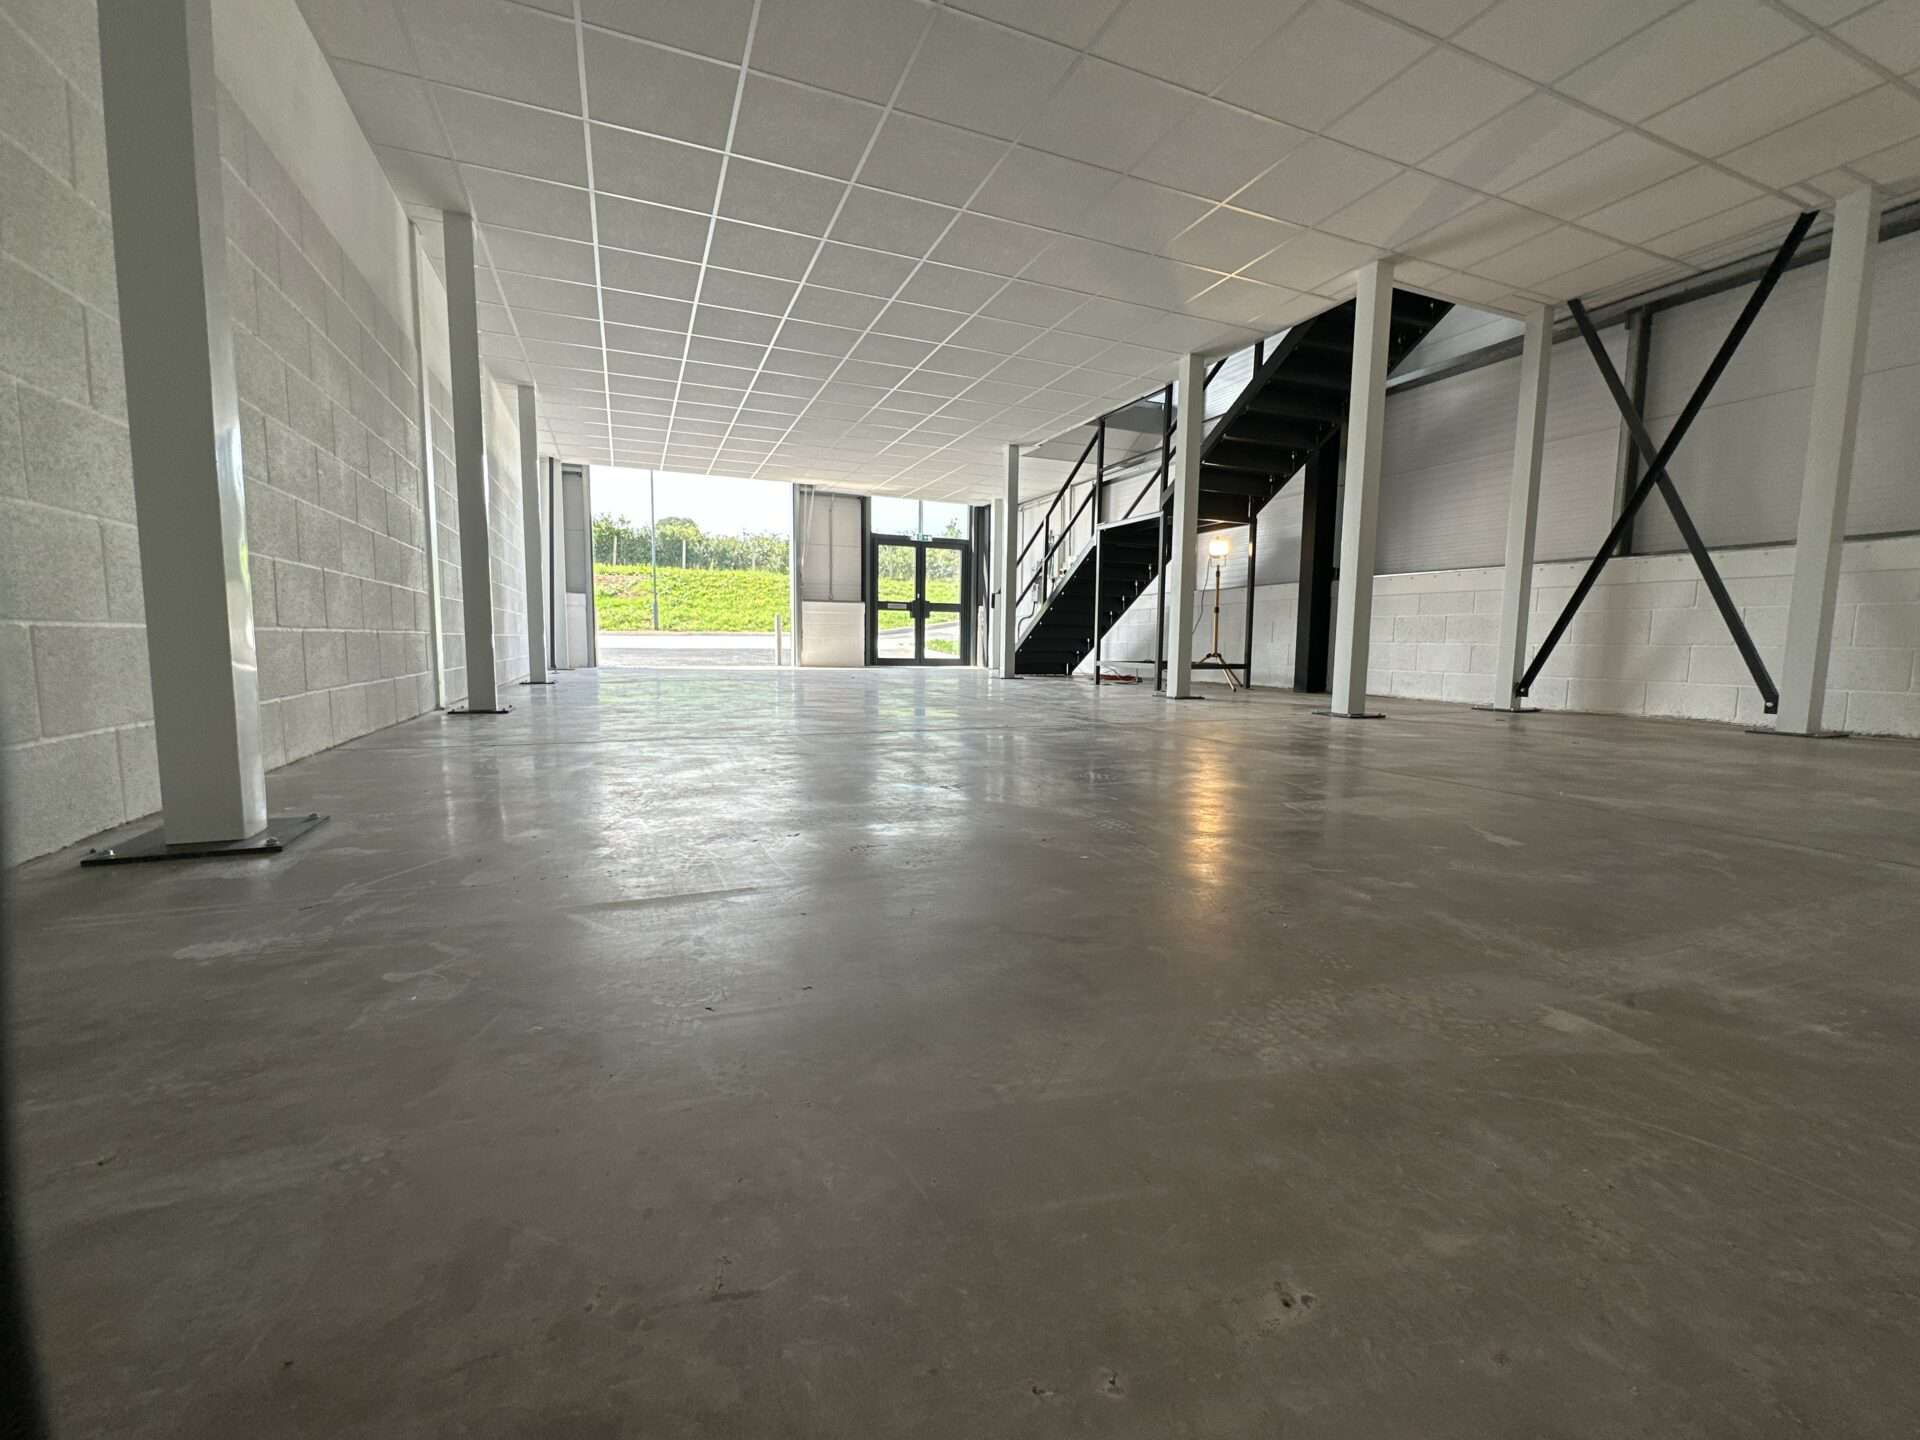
718, 504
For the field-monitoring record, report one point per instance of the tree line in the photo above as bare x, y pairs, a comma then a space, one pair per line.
684, 545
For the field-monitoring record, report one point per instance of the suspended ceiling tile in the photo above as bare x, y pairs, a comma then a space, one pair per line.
796, 125
1850, 130
1314, 181
1193, 43
1553, 253
1688, 197
761, 250
880, 220
646, 167
1108, 116
1227, 239
1690, 50
1598, 176
929, 160
1309, 259
1544, 39
651, 229
717, 28
494, 46
1788, 87
1217, 149
1407, 206
1070, 22
1436, 17
521, 203
980, 76
1889, 32
1535, 135
1436, 100
1321, 63
1037, 188
393, 109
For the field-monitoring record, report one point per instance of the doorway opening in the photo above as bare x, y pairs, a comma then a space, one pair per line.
920, 606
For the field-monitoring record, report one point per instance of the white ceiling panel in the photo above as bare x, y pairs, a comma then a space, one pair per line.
707, 27
1321, 63
1544, 39
797, 125
1436, 100
873, 240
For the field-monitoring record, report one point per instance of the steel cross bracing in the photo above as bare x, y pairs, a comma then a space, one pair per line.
1657, 459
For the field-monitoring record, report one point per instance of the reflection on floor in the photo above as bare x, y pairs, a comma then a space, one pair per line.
912, 1053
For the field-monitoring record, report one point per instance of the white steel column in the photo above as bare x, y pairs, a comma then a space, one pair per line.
1009, 539
429, 502
1523, 508
535, 551
1360, 506
183, 415
1190, 408
999, 598
1829, 472
470, 465
796, 534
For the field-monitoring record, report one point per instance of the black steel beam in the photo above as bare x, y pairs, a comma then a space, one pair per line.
1319, 536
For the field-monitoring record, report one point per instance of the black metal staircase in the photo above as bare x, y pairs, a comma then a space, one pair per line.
1295, 402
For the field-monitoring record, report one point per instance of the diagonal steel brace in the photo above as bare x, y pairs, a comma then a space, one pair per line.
1656, 476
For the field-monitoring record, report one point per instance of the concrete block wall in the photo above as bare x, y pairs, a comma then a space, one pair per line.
335, 523
1649, 640
75, 700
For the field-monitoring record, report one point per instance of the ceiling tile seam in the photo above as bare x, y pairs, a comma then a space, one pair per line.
713, 218
486, 250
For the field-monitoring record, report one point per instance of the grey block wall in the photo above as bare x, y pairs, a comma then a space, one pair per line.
336, 527
75, 701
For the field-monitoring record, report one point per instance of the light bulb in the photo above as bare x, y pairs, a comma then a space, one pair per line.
1217, 547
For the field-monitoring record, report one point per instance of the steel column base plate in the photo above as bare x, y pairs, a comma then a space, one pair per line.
1796, 735
469, 710
1365, 715
281, 831
1509, 709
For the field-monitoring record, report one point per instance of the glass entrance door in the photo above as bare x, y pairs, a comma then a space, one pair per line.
921, 611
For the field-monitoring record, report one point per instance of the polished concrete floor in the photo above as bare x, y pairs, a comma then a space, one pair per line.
910, 1054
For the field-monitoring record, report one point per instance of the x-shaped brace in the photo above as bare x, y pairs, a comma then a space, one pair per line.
1656, 459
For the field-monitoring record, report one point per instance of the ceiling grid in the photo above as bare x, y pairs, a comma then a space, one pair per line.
870, 242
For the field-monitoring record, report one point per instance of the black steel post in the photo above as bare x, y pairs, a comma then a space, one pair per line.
1253, 579
1099, 474
1160, 545
1096, 604
1319, 538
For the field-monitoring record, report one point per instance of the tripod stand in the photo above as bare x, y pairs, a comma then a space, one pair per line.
1214, 653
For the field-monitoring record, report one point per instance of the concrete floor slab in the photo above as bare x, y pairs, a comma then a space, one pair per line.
761, 1053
